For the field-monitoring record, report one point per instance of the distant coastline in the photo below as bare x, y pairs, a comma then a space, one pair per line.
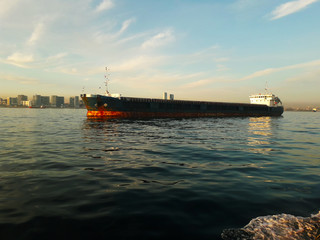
50, 107
301, 109
38, 101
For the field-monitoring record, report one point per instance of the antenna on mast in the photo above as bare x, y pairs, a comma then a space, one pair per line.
266, 87
106, 82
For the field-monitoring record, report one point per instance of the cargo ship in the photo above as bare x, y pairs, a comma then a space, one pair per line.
117, 106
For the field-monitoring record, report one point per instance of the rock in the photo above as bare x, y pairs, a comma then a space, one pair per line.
277, 227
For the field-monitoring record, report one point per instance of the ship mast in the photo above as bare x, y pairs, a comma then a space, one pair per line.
107, 81
266, 88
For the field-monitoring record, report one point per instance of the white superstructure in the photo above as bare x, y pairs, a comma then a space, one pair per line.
268, 99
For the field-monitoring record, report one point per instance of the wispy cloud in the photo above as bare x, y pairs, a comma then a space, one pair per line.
104, 5
262, 73
199, 83
102, 37
307, 78
19, 59
37, 32
206, 82
23, 60
290, 8
57, 56
160, 39
140, 62
269, 71
19, 79
126, 24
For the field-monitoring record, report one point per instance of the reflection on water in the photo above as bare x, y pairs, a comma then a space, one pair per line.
261, 133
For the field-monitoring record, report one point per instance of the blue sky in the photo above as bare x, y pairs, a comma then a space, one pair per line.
196, 49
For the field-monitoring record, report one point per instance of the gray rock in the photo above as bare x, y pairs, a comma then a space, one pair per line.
277, 227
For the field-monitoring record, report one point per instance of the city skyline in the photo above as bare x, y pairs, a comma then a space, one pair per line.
40, 100
197, 50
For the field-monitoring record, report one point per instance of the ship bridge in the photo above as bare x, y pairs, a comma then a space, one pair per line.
265, 99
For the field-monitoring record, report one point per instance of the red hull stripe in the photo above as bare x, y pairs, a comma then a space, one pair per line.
119, 114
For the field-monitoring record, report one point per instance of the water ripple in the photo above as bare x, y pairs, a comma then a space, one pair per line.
64, 176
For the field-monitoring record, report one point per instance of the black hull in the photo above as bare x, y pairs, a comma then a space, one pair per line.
104, 106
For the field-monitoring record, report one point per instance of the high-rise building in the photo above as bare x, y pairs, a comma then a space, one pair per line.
12, 101
57, 101
45, 101
71, 102
36, 100
76, 102
22, 98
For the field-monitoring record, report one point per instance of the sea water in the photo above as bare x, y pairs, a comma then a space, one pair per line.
63, 176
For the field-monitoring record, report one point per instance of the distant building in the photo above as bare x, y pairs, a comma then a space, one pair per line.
36, 100
74, 102
57, 101
22, 98
71, 102
11, 101
45, 101
27, 103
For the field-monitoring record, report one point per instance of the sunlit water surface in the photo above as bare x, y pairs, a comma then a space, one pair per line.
63, 176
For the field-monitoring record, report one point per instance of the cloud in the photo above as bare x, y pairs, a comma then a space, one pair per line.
101, 37
140, 62
19, 59
126, 24
269, 71
39, 29
104, 5
261, 73
290, 8
310, 77
57, 56
19, 79
199, 83
158, 40
205, 82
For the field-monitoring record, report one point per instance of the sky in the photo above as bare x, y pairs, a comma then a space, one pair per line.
215, 50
